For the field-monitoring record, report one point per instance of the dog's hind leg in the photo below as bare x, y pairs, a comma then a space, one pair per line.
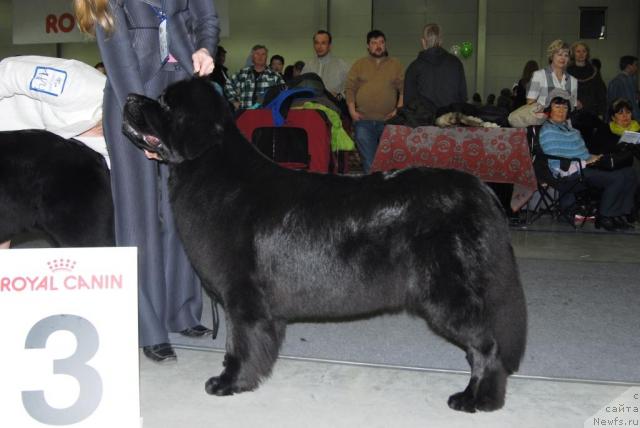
487, 386
464, 323
493, 336
251, 351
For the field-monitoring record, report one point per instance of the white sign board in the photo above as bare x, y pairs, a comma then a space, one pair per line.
53, 21
44, 21
69, 337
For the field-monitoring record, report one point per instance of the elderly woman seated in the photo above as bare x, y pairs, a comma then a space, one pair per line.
558, 138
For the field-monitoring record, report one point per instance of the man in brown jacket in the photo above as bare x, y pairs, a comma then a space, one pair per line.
374, 93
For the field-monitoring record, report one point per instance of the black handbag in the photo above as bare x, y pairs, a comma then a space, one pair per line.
613, 161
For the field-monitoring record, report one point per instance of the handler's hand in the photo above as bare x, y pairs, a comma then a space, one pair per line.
202, 62
152, 155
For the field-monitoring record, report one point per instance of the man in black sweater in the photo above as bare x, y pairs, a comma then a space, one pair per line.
436, 74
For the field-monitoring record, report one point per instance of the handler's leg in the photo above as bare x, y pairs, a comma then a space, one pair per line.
184, 292
134, 180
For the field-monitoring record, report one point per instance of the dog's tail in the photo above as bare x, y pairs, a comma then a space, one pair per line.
510, 318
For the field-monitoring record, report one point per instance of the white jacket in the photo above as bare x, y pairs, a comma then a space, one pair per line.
63, 96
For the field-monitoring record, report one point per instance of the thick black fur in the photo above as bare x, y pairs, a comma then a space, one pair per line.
277, 245
56, 186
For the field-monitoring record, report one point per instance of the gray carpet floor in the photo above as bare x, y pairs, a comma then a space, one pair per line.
583, 324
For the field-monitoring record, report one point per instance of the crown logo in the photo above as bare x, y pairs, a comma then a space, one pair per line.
61, 264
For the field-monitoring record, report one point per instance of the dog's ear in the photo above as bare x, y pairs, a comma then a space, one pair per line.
199, 116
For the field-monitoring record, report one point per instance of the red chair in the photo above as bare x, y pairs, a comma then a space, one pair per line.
287, 144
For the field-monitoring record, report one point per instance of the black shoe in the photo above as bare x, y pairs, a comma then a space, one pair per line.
606, 223
622, 223
161, 353
196, 331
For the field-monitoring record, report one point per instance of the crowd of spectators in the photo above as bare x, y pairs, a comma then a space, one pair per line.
375, 90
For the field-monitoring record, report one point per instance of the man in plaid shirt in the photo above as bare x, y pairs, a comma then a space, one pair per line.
248, 86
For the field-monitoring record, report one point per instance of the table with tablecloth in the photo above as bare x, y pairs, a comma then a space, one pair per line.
498, 155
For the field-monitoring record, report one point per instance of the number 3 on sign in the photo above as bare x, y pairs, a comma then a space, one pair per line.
75, 365
69, 338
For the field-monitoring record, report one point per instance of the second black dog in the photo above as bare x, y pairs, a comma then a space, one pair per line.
54, 186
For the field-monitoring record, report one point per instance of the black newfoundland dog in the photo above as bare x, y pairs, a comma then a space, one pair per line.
276, 245
54, 186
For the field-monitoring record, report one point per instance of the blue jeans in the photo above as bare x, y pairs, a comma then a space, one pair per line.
368, 134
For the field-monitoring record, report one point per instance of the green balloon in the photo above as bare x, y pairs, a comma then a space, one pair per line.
466, 49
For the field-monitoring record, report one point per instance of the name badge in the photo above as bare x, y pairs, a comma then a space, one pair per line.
164, 43
48, 80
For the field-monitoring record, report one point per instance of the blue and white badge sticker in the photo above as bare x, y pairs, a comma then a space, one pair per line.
164, 43
48, 80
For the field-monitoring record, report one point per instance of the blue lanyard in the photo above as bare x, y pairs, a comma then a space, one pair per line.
162, 34
159, 13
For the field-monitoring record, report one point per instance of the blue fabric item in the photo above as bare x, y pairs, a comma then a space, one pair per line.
276, 103
560, 140
218, 88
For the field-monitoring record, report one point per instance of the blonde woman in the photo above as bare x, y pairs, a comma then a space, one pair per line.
145, 46
592, 92
553, 76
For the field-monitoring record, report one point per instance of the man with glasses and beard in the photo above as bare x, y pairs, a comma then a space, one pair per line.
374, 93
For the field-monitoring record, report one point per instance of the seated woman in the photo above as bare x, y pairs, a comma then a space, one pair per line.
621, 113
602, 137
558, 138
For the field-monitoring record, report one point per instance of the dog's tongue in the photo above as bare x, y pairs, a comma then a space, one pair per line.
151, 140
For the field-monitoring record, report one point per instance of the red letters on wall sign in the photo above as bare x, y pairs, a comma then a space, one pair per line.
64, 23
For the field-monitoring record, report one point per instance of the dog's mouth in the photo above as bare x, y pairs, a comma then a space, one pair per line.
152, 140
138, 115
143, 141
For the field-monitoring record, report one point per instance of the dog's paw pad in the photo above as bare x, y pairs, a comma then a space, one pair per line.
463, 402
489, 404
216, 386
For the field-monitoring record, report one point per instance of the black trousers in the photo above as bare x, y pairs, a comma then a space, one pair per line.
618, 188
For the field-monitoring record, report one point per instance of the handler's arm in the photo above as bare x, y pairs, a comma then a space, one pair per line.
119, 56
206, 30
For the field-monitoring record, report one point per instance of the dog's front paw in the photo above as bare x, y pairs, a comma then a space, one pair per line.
462, 401
489, 404
218, 386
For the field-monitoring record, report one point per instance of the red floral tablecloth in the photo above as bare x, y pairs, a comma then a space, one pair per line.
499, 155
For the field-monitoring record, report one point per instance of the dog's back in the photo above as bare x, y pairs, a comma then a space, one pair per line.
56, 186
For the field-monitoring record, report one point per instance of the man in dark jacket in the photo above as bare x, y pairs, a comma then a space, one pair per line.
436, 74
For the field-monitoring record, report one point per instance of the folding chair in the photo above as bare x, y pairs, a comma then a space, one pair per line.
552, 190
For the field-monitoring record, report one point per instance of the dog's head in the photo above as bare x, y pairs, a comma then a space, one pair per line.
186, 120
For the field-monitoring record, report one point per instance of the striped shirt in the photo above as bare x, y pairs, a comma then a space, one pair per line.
557, 139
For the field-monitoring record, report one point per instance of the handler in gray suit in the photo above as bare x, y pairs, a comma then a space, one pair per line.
145, 46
